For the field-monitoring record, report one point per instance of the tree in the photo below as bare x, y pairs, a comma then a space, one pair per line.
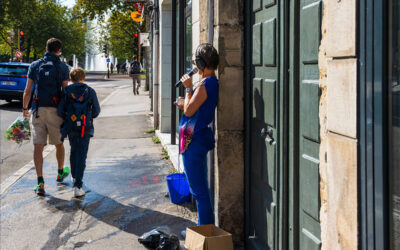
41, 20
118, 29
119, 34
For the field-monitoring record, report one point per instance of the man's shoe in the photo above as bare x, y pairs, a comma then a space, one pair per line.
78, 192
65, 173
40, 189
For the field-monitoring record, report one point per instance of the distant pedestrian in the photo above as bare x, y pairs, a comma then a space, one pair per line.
196, 136
134, 71
48, 76
79, 106
112, 67
118, 67
123, 68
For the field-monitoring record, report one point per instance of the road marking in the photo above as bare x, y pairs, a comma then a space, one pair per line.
124, 86
11, 180
102, 86
7, 183
108, 97
156, 179
145, 180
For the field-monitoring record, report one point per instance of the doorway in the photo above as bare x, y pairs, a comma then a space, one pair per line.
282, 170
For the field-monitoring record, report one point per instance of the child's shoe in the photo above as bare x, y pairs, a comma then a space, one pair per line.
78, 192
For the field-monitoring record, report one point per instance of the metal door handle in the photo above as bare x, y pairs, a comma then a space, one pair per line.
268, 133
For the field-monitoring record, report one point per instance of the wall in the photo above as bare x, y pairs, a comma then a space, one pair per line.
229, 153
338, 120
165, 66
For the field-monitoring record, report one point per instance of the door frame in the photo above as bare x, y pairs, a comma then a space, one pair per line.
282, 234
372, 124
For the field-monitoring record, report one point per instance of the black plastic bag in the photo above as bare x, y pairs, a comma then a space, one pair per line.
160, 239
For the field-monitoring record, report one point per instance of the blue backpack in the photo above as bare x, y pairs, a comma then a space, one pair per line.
78, 111
47, 91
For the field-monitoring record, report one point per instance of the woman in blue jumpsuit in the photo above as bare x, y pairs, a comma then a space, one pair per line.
196, 136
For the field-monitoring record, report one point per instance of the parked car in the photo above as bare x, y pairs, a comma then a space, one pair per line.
13, 78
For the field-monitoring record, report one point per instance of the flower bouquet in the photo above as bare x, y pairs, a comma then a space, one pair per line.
19, 131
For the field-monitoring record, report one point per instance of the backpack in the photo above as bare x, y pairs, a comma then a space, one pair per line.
78, 111
47, 91
135, 68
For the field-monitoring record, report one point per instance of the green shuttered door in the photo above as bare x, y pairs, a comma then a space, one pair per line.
300, 218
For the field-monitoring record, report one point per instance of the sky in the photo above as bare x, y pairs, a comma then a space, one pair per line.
69, 3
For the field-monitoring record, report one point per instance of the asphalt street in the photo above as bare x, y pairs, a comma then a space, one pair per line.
124, 180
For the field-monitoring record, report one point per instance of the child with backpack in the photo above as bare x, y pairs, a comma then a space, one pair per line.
79, 106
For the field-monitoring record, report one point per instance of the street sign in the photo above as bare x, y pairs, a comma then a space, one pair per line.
18, 54
136, 16
139, 7
144, 39
108, 60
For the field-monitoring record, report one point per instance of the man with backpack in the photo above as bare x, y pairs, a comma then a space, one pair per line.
134, 71
48, 76
78, 106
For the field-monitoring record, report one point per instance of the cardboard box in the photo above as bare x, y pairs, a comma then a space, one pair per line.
208, 237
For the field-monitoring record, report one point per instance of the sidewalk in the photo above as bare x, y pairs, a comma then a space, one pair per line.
125, 183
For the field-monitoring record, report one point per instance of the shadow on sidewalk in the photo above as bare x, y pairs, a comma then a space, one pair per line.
131, 219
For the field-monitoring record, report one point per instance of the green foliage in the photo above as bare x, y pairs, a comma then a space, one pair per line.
173, 171
119, 31
165, 154
156, 140
150, 131
41, 20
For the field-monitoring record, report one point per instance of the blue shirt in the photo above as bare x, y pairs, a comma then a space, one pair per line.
34, 67
205, 115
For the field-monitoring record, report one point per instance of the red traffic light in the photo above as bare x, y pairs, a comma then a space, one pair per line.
136, 34
21, 33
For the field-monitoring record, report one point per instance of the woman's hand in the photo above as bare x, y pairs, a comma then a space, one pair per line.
180, 102
187, 81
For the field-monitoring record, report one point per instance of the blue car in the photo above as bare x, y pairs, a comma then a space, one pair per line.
13, 78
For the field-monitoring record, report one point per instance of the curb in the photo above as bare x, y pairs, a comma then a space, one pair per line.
5, 185
173, 150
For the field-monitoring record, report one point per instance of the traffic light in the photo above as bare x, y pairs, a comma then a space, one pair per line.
136, 44
105, 51
21, 40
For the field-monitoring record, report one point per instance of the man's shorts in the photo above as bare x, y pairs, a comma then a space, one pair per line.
48, 123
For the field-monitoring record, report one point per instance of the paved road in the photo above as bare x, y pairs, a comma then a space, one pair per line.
125, 180
13, 157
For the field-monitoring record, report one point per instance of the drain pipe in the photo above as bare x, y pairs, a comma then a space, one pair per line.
211, 157
156, 61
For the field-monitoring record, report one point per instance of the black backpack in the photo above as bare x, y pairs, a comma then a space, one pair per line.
47, 91
135, 68
78, 111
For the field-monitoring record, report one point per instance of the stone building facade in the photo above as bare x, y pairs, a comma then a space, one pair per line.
294, 159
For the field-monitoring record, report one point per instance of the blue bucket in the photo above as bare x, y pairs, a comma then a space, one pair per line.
178, 188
